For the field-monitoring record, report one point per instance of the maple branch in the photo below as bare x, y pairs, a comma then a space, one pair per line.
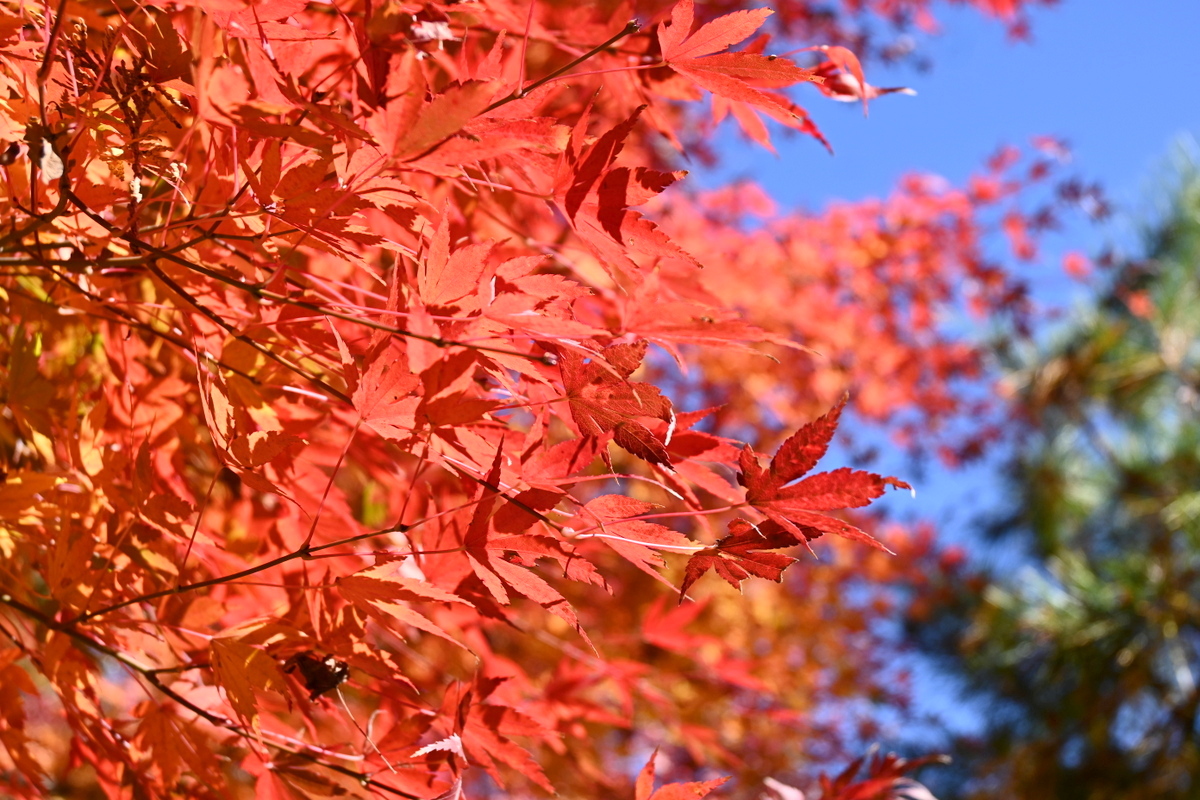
307, 554
212, 484
630, 27
220, 322
397, 553
484, 482
51, 45
31, 260
621, 476
181, 668
525, 43
38, 220
193, 219
693, 513
380, 326
219, 238
68, 629
633, 26
363, 731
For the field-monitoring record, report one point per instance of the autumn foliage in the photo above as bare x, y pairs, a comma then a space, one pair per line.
378, 400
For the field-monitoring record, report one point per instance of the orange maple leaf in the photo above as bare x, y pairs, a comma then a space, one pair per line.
388, 394
388, 597
644, 788
242, 670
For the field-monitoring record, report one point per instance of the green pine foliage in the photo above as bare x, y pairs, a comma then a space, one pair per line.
1087, 658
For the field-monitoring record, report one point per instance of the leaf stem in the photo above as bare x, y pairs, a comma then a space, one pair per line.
674, 548
585, 533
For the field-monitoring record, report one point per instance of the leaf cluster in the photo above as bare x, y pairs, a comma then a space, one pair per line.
337, 459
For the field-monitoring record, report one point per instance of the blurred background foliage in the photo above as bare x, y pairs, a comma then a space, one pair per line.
1083, 649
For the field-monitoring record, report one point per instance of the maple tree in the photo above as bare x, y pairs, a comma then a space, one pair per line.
337, 457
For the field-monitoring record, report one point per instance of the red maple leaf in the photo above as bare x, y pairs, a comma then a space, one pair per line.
741, 554
737, 77
450, 278
595, 196
885, 778
409, 126
795, 507
603, 399
388, 596
486, 724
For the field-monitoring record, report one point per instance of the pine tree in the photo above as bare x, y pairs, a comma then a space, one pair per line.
1088, 656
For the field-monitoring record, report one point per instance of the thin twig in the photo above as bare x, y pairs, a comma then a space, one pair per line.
631, 27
